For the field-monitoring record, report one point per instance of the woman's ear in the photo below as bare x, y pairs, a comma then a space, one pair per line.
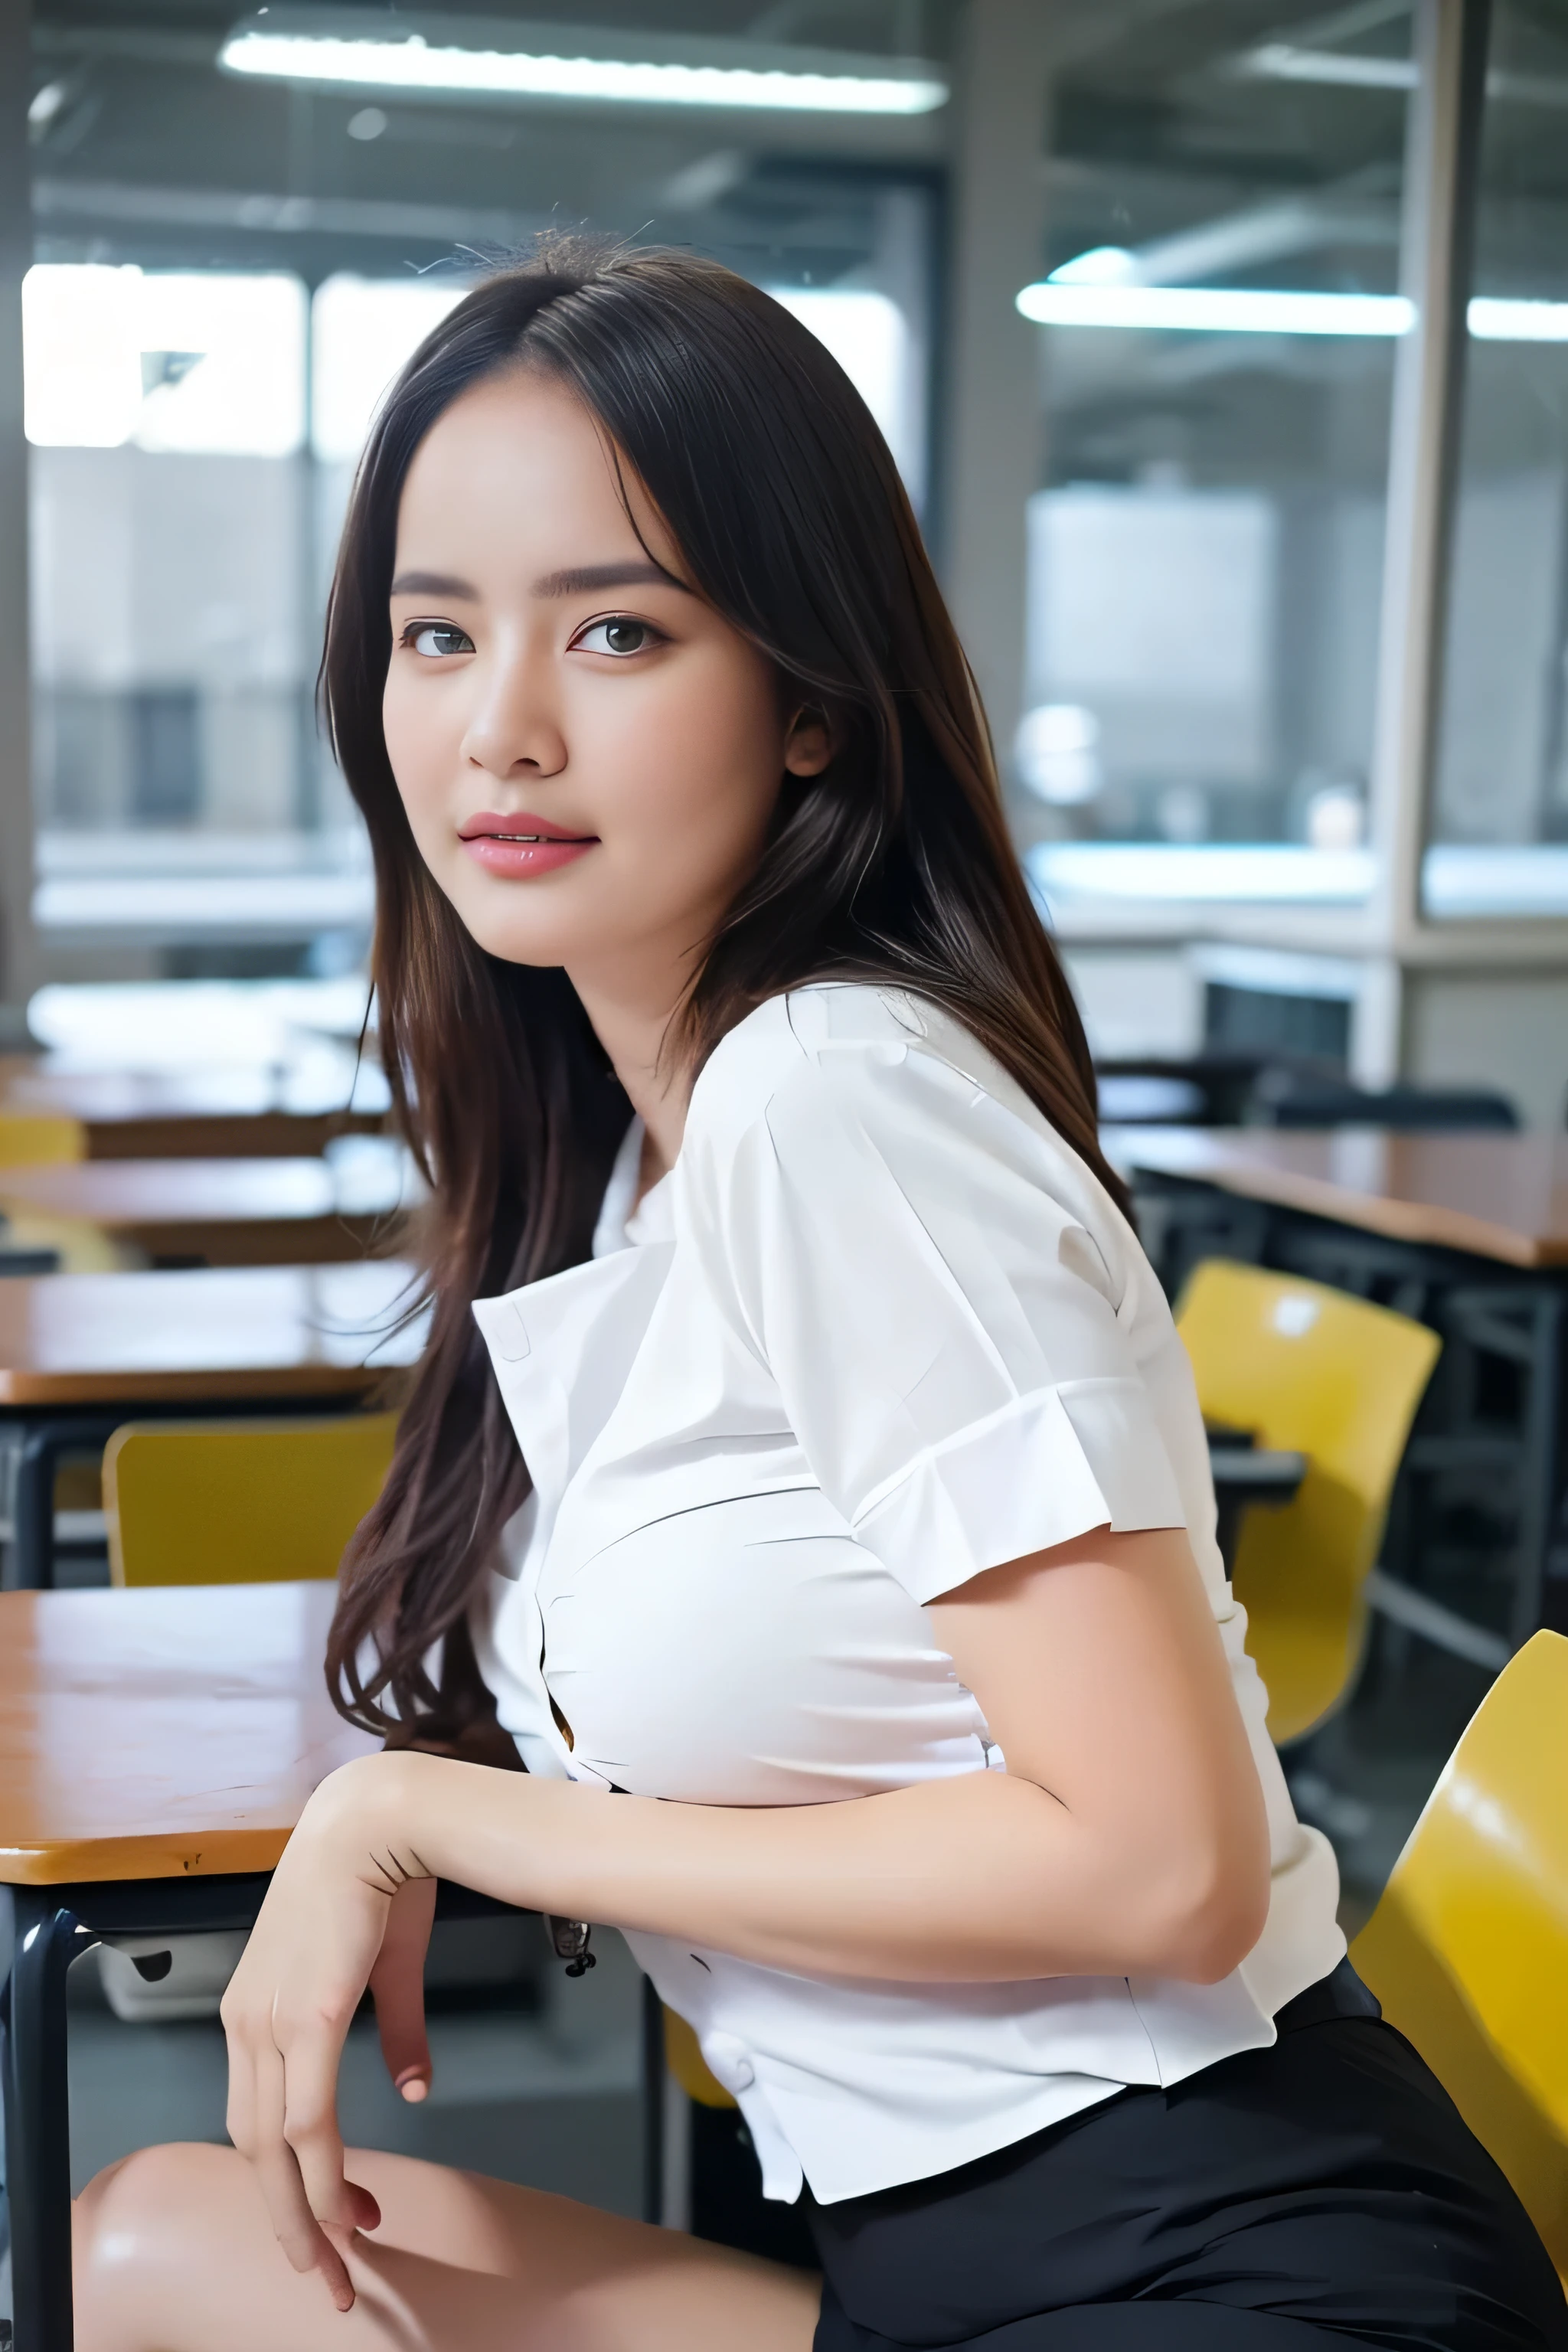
809, 744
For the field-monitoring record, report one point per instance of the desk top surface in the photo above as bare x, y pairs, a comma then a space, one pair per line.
206, 1336
161, 1733
136, 1196
228, 1108
1496, 1196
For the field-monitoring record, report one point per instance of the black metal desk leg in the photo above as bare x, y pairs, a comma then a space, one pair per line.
38, 2117
44, 1445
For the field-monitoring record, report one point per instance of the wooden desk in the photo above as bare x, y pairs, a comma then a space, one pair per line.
81, 1352
254, 1111
268, 1212
156, 1748
1503, 1197
276, 1332
158, 1733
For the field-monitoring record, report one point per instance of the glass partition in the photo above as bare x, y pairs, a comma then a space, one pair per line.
1218, 315
1498, 819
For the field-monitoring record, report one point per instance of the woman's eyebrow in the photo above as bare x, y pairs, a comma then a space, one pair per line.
584, 580
433, 583
589, 579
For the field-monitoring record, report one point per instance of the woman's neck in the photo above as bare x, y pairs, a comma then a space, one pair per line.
632, 1023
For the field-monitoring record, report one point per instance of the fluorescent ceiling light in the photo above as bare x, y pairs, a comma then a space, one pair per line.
1069, 301
1280, 61
1233, 242
1102, 265
1497, 321
1215, 310
1283, 62
366, 61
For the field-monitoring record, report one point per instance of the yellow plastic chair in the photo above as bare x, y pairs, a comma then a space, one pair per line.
683, 2057
1468, 1950
34, 1139
1314, 1371
38, 1140
240, 1502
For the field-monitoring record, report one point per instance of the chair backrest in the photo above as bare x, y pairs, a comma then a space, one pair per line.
1313, 1372
1468, 1950
31, 1139
240, 1502
1285, 1096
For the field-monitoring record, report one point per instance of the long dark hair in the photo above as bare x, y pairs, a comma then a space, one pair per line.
894, 865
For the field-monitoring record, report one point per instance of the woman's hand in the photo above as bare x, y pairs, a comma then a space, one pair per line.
397, 1988
348, 1902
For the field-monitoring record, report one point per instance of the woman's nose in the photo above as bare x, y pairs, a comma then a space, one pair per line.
515, 728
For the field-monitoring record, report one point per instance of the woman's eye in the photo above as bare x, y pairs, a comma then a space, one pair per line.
618, 634
434, 638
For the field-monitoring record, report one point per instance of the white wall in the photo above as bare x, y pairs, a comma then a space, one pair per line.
1508, 1030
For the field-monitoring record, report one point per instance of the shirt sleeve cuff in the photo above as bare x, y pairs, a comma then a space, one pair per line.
1046, 1467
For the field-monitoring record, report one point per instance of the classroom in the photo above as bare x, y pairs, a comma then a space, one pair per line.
903, 1199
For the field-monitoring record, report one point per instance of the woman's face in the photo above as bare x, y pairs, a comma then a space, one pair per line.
588, 754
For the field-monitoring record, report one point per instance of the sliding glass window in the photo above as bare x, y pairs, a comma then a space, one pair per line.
1498, 818
1219, 312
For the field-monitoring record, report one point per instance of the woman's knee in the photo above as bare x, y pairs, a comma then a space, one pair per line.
139, 2221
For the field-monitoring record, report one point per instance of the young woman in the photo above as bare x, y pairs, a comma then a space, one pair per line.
803, 1480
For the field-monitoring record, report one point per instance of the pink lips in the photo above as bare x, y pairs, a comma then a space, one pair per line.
519, 845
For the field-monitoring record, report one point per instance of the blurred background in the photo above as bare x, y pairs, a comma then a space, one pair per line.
1155, 300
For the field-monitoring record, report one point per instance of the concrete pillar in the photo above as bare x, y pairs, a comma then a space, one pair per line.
992, 441
1436, 240
17, 947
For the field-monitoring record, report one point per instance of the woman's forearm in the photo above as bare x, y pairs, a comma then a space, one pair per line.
978, 1878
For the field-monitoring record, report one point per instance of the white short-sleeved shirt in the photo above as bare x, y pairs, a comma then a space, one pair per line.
877, 1329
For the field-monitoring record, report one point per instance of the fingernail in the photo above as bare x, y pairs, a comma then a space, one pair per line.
413, 2084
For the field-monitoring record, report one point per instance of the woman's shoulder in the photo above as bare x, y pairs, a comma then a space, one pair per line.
810, 1042
885, 1063
868, 1128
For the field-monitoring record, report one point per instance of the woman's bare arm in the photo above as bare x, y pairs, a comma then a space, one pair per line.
1127, 1835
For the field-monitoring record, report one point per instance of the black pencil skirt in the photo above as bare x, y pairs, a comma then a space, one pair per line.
1324, 2192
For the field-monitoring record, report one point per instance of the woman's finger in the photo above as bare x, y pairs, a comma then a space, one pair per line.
294, 2225
311, 2051
397, 1987
367, 2211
